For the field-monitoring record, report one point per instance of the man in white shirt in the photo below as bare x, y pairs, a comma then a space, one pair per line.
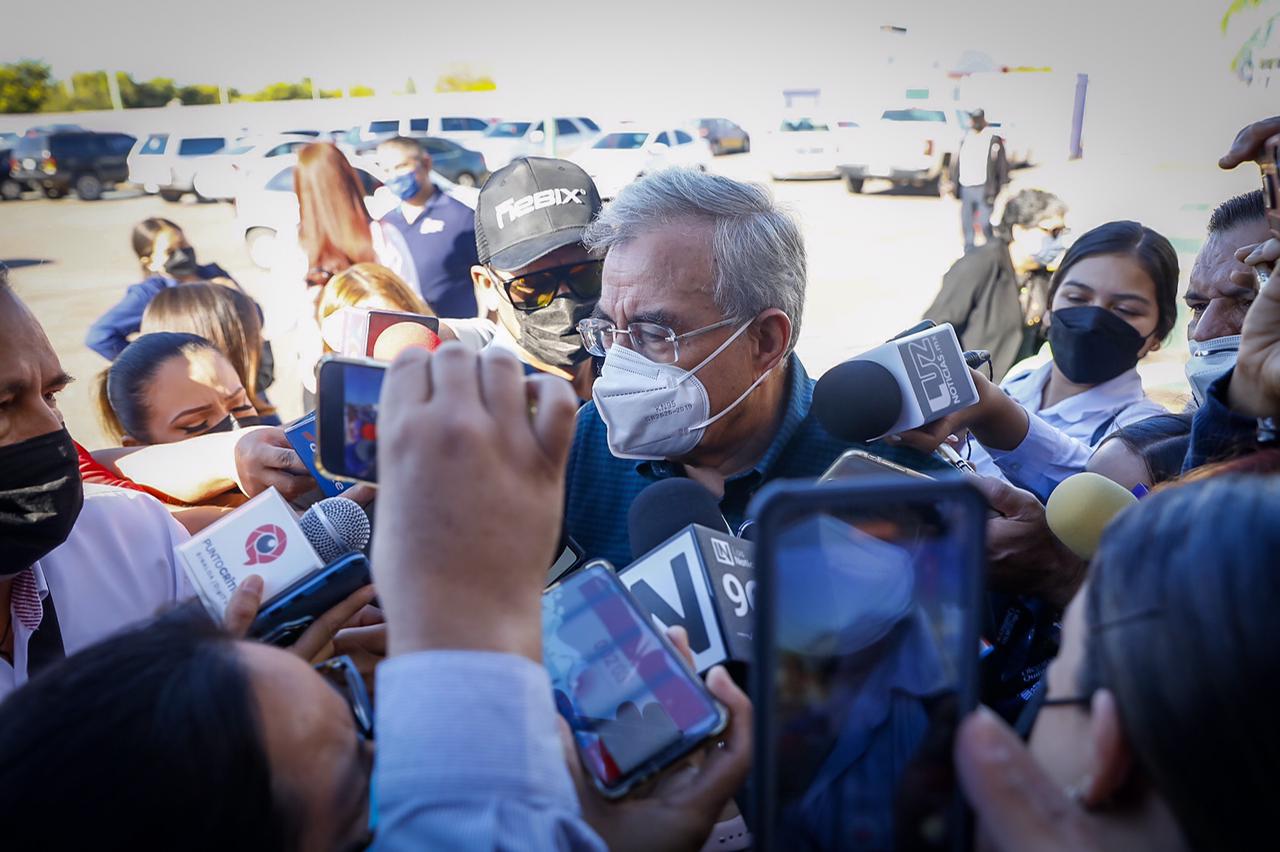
76, 564
980, 170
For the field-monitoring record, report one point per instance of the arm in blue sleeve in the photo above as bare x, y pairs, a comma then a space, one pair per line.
1217, 432
470, 757
1043, 459
109, 334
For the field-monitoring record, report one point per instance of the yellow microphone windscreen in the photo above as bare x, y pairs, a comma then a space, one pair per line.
1080, 508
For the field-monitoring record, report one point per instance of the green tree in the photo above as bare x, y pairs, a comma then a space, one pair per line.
24, 86
410, 87
1235, 8
463, 80
281, 92
360, 92
198, 94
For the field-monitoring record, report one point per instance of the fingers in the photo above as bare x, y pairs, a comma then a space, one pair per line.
1001, 496
408, 380
321, 632
680, 638
1258, 253
1017, 805
242, 609
927, 438
1248, 142
455, 377
725, 769
555, 408
362, 494
503, 393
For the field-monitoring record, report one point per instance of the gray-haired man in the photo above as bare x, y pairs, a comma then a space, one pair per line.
702, 293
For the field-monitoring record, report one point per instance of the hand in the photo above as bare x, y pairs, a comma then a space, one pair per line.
1017, 806
364, 640
995, 420
317, 642
677, 810
264, 459
1249, 141
1255, 384
1023, 554
461, 560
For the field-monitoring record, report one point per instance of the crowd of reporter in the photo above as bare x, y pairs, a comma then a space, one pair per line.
131, 717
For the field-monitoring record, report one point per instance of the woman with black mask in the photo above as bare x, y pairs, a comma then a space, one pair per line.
167, 260
1112, 301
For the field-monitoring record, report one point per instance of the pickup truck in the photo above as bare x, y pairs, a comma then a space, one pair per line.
910, 146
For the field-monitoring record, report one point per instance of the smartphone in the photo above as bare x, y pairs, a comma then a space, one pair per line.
861, 463
347, 418
867, 652
286, 616
301, 434
380, 321
632, 704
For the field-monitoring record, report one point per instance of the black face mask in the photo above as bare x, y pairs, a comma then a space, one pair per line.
1091, 345
40, 498
182, 263
229, 423
550, 334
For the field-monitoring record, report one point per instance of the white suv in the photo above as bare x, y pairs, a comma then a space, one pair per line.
459, 128
507, 140
166, 163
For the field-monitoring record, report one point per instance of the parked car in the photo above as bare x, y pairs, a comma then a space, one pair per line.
507, 140
459, 128
909, 146
10, 187
460, 165
219, 176
804, 147
723, 135
269, 206
166, 163
628, 151
8, 139
62, 161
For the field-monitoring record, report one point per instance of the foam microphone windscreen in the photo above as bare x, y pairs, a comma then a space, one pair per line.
668, 506
335, 526
857, 400
1080, 508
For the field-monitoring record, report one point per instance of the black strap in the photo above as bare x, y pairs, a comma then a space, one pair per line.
1102, 430
45, 646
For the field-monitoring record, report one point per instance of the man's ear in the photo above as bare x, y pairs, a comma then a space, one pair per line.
486, 291
1112, 755
481, 278
130, 441
771, 333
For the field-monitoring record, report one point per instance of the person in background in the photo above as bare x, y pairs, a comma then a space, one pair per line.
990, 295
167, 260
168, 386
1142, 455
77, 563
1221, 288
533, 271
1113, 300
979, 171
335, 232
229, 320
439, 230
702, 294
367, 285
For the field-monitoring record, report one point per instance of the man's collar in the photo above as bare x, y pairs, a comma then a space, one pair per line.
798, 399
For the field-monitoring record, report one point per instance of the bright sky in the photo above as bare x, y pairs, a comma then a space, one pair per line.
1148, 61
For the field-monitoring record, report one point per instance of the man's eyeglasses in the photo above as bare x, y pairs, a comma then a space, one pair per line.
655, 342
341, 673
536, 290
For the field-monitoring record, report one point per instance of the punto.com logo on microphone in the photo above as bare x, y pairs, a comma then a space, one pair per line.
265, 544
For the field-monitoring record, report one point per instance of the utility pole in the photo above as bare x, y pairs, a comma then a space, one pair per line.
113, 89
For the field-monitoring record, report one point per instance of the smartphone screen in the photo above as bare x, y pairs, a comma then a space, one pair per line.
347, 416
302, 437
867, 651
632, 704
859, 463
380, 321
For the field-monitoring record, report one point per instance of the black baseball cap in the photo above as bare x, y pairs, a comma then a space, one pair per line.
531, 207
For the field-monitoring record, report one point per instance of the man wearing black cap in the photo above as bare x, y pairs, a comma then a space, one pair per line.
978, 172
533, 270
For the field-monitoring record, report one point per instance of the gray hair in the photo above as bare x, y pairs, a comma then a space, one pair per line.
758, 253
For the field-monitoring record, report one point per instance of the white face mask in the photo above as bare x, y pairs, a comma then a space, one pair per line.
1210, 360
652, 410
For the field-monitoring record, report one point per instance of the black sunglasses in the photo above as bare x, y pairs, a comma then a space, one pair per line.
341, 673
536, 290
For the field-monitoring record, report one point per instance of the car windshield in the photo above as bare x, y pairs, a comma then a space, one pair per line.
626, 141
914, 115
507, 130
797, 125
199, 146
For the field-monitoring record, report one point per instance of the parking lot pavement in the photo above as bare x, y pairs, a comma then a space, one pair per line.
875, 263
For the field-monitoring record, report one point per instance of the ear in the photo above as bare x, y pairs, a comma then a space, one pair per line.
426, 161
771, 333
1112, 756
486, 289
1152, 345
130, 441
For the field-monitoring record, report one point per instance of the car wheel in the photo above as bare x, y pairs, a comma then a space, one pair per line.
171, 195
53, 192
10, 190
853, 184
88, 188
260, 243
466, 179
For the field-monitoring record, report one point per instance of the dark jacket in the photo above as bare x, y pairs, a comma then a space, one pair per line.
1217, 432
109, 334
997, 169
979, 296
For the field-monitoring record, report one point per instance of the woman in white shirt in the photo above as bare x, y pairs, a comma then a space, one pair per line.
1112, 301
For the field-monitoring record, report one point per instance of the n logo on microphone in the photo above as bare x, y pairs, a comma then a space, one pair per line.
691, 620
